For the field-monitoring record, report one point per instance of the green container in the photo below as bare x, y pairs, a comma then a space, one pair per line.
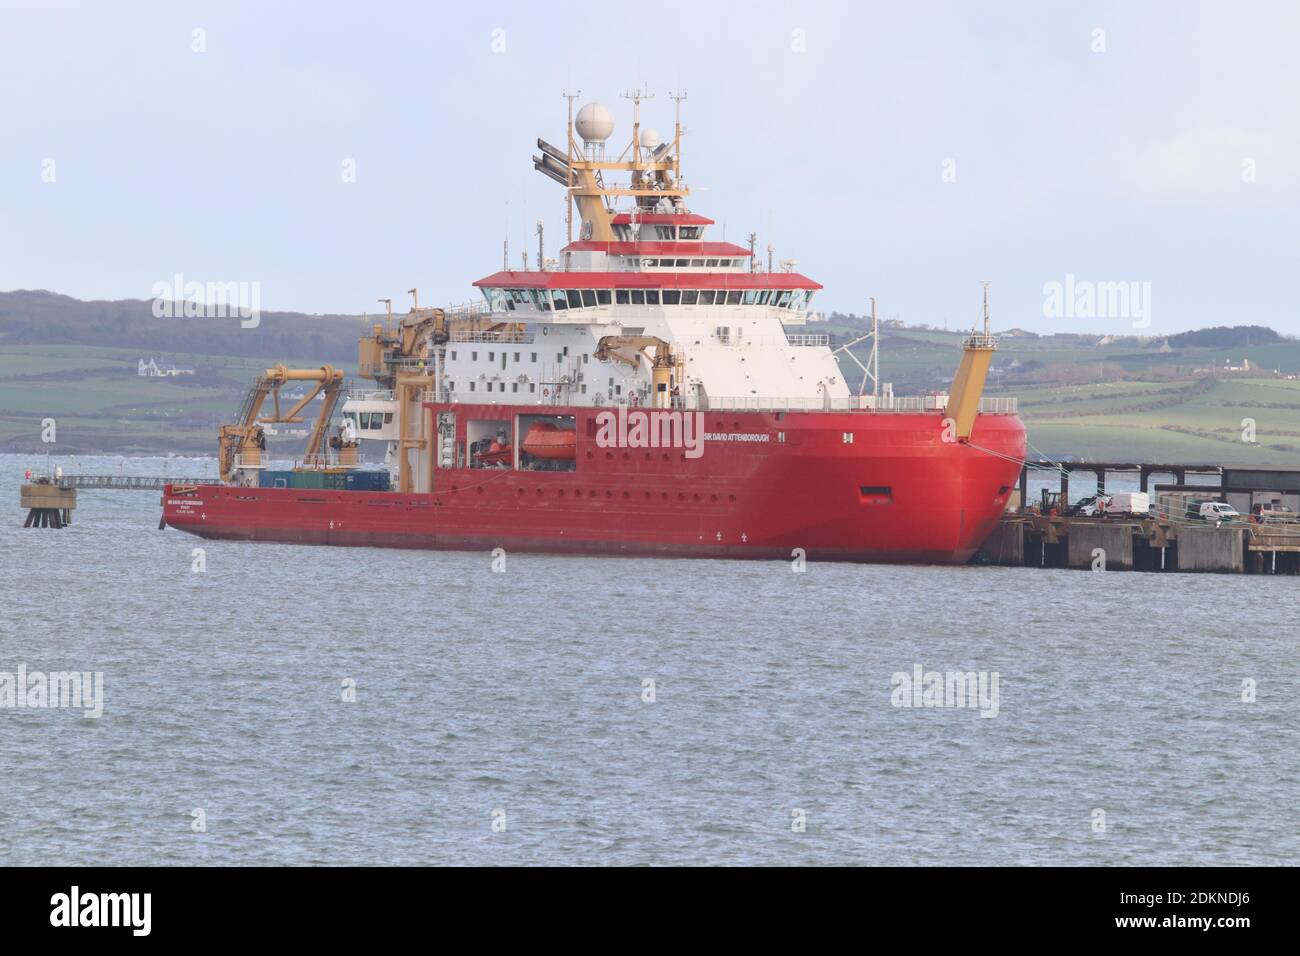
307, 479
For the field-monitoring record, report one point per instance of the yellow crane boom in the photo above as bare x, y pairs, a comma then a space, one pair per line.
661, 366
233, 439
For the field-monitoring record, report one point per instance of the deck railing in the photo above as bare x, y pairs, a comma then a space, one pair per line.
489, 338
900, 404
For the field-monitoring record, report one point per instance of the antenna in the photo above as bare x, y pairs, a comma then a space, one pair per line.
770, 249
541, 246
986, 284
677, 133
505, 254
635, 150
753, 241
568, 192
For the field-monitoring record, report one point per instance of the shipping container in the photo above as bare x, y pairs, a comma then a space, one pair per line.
307, 479
368, 481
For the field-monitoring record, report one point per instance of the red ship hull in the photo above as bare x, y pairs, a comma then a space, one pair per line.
838, 486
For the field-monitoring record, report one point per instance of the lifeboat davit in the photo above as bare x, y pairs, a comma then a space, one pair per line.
545, 440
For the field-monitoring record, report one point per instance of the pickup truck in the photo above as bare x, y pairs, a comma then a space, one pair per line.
1272, 514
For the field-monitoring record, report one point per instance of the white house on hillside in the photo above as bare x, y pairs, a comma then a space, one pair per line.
151, 369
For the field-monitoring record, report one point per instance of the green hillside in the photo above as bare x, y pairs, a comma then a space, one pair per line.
77, 362
1124, 399
1167, 400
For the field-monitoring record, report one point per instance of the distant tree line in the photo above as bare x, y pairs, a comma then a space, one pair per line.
45, 318
1223, 335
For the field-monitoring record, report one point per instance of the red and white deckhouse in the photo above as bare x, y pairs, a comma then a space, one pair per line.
650, 270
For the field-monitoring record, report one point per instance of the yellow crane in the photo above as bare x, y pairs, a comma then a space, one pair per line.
234, 440
383, 353
968, 383
661, 366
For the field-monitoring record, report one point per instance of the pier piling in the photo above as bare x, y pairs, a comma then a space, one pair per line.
48, 505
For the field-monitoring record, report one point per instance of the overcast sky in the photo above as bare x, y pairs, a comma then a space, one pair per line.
902, 150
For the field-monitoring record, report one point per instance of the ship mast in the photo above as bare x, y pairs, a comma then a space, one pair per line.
654, 168
968, 383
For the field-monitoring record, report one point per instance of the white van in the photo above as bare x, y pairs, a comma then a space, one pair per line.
1218, 511
1121, 503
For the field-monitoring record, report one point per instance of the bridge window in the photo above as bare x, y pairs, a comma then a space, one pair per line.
711, 263
784, 301
690, 232
638, 297
733, 298
589, 298
575, 299
558, 297
621, 297
690, 297
750, 296
672, 297
651, 296
602, 296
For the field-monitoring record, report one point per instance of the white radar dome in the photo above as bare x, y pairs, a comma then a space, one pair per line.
594, 123
650, 138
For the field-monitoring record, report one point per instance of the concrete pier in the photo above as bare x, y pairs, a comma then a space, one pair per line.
1006, 545
1115, 542
1211, 549
1143, 544
49, 506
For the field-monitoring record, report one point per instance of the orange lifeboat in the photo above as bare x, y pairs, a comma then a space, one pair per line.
548, 441
495, 454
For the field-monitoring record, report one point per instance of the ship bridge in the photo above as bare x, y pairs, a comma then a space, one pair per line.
649, 270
